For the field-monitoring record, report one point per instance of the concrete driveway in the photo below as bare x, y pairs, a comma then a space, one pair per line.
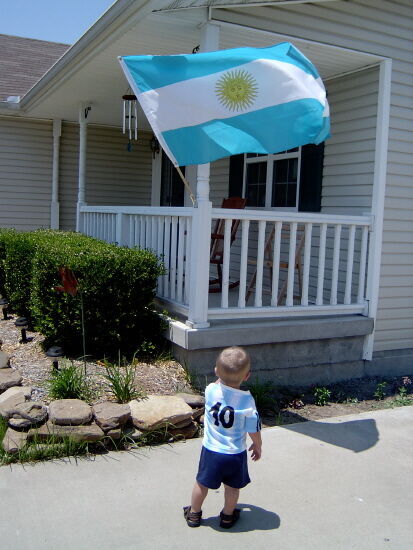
341, 483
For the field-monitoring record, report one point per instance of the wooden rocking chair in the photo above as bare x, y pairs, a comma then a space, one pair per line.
217, 242
268, 262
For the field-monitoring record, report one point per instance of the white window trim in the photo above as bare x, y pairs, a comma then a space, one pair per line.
268, 184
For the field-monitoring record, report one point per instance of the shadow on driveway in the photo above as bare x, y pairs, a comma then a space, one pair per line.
355, 435
253, 518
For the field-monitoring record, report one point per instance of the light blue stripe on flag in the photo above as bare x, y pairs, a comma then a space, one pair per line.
269, 130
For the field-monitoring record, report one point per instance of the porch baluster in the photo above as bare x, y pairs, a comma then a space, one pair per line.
289, 301
350, 260
166, 249
276, 263
187, 258
260, 263
363, 261
180, 259
336, 263
321, 265
225, 264
173, 258
306, 267
142, 232
159, 251
243, 265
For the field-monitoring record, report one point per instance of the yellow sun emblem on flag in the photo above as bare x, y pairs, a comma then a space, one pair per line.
236, 90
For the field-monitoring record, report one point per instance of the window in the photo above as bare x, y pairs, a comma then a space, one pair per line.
172, 188
273, 180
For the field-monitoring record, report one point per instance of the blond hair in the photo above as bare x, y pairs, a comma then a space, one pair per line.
232, 365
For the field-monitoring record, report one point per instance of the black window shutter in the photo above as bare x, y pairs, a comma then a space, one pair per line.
311, 177
236, 175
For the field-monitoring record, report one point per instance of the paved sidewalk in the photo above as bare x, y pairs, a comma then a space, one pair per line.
341, 483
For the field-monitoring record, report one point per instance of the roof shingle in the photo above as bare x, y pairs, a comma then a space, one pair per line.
23, 61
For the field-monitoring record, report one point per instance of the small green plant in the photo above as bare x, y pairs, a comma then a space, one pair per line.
352, 399
69, 382
121, 380
380, 392
262, 393
321, 396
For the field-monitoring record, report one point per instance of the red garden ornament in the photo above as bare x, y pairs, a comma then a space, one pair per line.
69, 282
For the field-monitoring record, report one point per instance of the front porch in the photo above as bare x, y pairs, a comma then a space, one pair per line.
322, 318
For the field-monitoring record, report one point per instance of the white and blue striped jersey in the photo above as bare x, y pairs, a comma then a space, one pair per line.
230, 414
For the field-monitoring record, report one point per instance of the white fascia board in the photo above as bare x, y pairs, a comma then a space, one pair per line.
176, 6
123, 13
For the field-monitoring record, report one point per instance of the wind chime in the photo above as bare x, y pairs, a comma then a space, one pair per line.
130, 118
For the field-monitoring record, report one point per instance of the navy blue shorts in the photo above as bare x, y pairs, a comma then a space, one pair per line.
216, 468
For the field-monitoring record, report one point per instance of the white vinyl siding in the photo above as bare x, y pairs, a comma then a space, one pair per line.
386, 29
25, 173
114, 176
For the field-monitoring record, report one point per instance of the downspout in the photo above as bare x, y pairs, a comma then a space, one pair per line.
83, 113
379, 191
54, 206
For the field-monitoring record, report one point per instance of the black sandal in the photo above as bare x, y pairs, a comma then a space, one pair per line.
193, 519
227, 521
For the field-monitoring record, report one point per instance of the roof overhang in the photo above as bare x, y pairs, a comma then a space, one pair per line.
89, 72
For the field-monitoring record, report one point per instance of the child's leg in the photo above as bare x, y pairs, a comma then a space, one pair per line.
231, 498
199, 493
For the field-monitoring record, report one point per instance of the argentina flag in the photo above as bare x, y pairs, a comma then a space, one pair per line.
246, 100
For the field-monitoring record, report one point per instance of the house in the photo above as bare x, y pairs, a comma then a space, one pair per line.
331, 226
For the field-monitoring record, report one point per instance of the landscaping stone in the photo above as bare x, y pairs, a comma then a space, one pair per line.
13, 441
9, 378
196, 413
201, 419
27, 415
4, 360
114, 434
109, 415
192, 399
90, 433
184, 423
159, 410
133, 433
186, 433
70, 412
12, 397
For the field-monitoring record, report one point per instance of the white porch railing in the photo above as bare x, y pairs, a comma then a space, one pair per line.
164, 230
333, 258
333, 262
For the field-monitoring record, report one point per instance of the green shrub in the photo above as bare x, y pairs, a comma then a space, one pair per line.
69, 382
5, 234
117, 286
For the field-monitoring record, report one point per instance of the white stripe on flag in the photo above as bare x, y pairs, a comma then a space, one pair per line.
194, 101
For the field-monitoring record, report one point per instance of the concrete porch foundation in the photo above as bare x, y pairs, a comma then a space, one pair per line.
293, 352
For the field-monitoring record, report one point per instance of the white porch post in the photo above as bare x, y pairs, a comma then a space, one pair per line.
201, 222
83, 112
379, 189
54, 206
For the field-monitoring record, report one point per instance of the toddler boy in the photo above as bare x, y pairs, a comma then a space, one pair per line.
230, 413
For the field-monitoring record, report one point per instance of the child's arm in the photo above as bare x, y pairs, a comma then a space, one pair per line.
256, 445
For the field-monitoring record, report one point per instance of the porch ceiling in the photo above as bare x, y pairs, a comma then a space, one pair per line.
97, 77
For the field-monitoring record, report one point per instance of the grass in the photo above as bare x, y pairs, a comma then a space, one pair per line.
121, 379
37, 450
69, 382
